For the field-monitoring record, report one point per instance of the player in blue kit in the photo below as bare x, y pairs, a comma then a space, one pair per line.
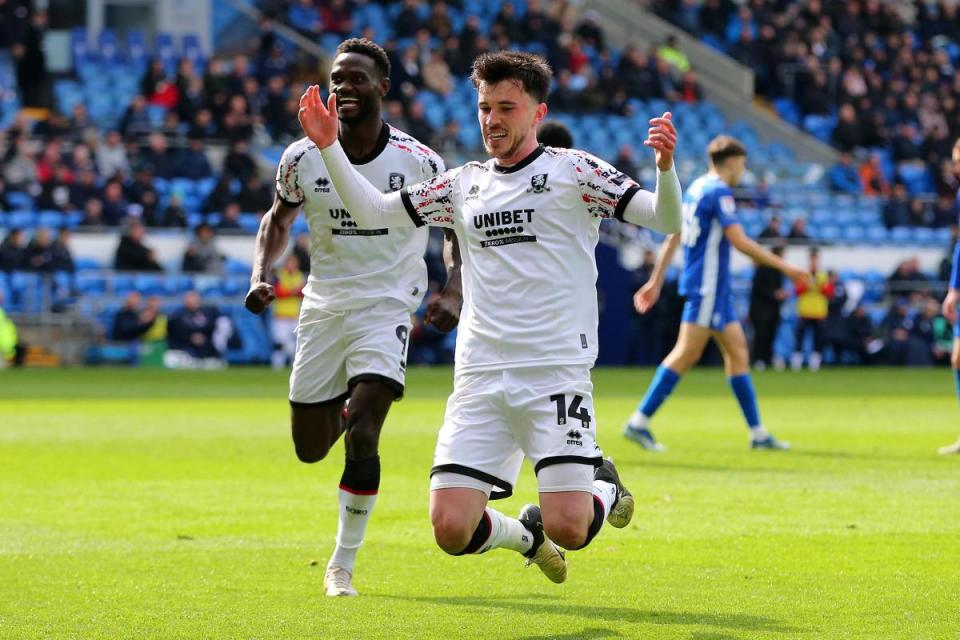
950, 305
708, 230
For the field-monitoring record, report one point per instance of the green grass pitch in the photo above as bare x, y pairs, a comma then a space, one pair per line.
154, 504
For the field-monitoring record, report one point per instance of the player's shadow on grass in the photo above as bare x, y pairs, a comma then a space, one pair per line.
576, 635
560, 606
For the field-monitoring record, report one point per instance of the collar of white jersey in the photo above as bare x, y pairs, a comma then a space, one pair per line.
536, 153
382, 141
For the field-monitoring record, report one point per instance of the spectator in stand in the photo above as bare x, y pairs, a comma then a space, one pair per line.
13, 250
773, 232
237, 123
447, 140
872, 180
55, 192
222, 193
436, 74
918, 214
689, 88
907, 279
191, 335
854, 338
83, 188
671, 52
38, 255
93, 213
31, 62
132, 254
798, 232
944, 211
20, 166
174, 215
136, 120
438, 22
408, 20
896, 212
238, 163
114, 204
419, 128
848, 134
766, 297
336, 17
304, 16
161, 158
11, 350
813, 300
230, 219
255, 195
132, 322
288, 288
844, 177
62, 259
301, 249
201, 255
193, 161
626, 162
4, 202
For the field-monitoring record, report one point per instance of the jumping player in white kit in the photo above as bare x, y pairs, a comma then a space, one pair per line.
527, 221
363, 285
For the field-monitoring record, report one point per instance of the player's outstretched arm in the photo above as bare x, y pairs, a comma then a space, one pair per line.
646, 297
761, 255
272, 239
444, 310
368, 207
659, 210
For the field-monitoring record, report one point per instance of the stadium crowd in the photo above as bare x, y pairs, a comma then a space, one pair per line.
218, 112
883, 82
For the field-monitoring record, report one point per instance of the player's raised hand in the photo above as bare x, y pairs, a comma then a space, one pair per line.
950, 305
662, 138
646, 297
259, 297
443, 312
319, 121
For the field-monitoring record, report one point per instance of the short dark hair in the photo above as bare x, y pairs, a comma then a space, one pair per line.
724, 147
555, 134
531, 70
367, 48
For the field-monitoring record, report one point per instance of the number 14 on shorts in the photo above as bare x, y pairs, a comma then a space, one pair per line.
574, 410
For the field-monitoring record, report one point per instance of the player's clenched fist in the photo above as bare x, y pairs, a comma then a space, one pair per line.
646, 297
443, 312
319, 121
259, 297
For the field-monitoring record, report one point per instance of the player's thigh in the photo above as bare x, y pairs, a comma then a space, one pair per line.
567, 514
733, 344
376, 340
691, 342
475, 446
955, 352
319, 372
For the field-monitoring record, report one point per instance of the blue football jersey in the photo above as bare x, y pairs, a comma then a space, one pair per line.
708, 209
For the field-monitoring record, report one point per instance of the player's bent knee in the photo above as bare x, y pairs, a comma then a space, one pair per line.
310, 452
568, 534
362, 441
451, 534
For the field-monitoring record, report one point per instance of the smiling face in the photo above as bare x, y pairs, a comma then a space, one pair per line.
508, 118
359, 87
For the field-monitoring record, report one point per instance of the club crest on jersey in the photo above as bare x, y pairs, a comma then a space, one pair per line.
538, 183
474, 192
396, 181
323, 185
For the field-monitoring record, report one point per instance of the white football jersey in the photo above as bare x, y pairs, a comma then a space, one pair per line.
527, 236
351, 268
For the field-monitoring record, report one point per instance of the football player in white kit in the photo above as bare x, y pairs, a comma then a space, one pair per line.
527, 222
363, 285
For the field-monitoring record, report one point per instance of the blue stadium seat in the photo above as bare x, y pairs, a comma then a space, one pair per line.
901, 235
51, 219
150, 284
250, 222
877, 234
21, 219
90, 284
84, 263
123, 283
20, 200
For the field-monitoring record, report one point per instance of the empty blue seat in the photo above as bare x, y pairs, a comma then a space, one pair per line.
21, 219
90, 284
20, 200
51, 219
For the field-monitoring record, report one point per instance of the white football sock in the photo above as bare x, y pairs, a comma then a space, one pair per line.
638, 420
355, 513
606, 492
759, 433
506, 533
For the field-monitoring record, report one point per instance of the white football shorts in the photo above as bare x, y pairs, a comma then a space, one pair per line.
337, 349
495, 418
